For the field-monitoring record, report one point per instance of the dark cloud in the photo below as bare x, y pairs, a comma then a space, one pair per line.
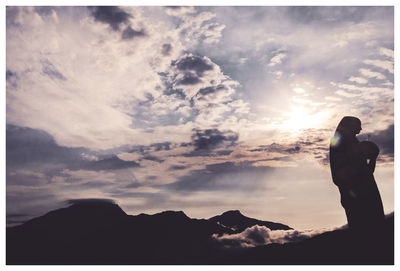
194, 64
212, 138
189, 79
40, 201
207, 142
383, 138
335, 15
10, 74
177, 167
111, 163
224, 152
11, 16
177, 92
210, 90
26, 178
11, 78
153, 158
44, 10
166, 49
113, 16
52, 72
163, 146
222, 176
130, 33
26, 146
15, 219
279, 148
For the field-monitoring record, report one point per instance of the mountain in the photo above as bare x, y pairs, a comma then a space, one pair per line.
238, 222
100, 232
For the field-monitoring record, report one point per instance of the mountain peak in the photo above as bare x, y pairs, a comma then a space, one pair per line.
97, 207
232, 213
170, 213
234, 219
80, 211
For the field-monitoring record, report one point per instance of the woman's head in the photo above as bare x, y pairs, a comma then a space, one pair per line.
349, 125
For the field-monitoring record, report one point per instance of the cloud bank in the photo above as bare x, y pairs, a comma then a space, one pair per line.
261, 235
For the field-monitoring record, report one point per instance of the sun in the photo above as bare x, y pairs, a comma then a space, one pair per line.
303, 117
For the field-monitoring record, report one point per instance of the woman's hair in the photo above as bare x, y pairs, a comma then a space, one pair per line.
348, 124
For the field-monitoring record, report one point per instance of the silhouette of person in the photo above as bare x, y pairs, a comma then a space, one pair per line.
352, 167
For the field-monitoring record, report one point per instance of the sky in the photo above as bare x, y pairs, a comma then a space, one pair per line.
199, 109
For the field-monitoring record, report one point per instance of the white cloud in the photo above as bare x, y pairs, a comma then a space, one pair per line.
198, 27
299, 90
371, 74
277, 59
386, 52
383, 64
178, 11
359, 80
301, 100
100, 102
261, 235
346, 94
333, 98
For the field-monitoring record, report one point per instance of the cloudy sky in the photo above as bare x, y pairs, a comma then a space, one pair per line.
200, 109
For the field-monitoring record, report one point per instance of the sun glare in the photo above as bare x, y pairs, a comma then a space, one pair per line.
300, 117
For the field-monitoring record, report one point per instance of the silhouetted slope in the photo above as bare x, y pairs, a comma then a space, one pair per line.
239, 222
94, 232
334, 247
101, 233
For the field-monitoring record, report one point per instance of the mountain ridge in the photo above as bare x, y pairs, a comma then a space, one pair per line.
98, 233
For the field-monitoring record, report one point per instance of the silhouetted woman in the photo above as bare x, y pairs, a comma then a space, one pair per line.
352, 167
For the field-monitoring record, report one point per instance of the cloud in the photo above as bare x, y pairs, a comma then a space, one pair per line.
278, 148
11, 79
371, 74
210, 90
277, 59
178, 11
196, 27
359, 80
189, 79
52, 72
386, 52
44, 10
383, 64
28, 147
261, 235
177, 167
299, 90
213, 138
222, 176
111, 163
194, 64
130, 33
113, 16
166, 49
347, 94
328, 16
384, 139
